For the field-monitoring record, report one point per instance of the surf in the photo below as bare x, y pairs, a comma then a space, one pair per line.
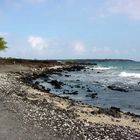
131, 75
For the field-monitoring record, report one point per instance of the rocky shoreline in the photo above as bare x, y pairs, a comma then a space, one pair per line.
57, 84
47, 116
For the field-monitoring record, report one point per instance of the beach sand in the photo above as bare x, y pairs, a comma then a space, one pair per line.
28, 113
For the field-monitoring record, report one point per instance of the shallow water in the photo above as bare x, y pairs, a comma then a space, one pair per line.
97, 79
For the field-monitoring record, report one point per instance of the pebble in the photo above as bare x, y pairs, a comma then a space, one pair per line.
63, 123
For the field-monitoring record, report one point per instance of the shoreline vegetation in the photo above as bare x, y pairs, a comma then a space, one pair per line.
45, 115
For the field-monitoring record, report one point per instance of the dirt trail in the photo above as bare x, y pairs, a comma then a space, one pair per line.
12, 124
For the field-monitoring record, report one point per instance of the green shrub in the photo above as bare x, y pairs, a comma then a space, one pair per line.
2, 44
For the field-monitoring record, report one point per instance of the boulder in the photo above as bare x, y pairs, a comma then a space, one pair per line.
77, 86
74, 68
21, 94
46, 80
48, 90
93, 95
89, 90
41, 87
56, 84
113, 111
71, 93
66, 75
118, 88
37, 83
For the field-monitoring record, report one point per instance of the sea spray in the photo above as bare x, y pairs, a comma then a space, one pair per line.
131, 75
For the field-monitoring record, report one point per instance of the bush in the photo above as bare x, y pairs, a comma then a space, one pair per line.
2, 44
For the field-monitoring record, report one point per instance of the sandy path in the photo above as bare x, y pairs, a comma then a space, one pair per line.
12, 122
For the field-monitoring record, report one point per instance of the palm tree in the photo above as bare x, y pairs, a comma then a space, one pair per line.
2, 44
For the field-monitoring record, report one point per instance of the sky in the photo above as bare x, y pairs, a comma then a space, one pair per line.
71, 29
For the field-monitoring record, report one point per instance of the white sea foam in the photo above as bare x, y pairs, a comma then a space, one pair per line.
102, 68
132, 75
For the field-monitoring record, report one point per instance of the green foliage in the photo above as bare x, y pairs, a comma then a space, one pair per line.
2, 44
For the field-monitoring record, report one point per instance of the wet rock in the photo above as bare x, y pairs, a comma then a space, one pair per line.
115, 108
87, 63
21, 94
45, 80
118, 88
113, 111
74, 92
98, 72
65, 72
57, 73
67, 75
70, 86
93, 95
48, 90
138, 83
71, 93
43, 75
96, 83
65, 91
133, 115
37, 83
89, 90
41, 87
74, 68
56, 84
77, 86
65, 97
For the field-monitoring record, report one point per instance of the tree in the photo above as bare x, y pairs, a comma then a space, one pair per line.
2, 44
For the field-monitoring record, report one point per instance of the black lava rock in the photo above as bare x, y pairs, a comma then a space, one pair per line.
77, 86
113, 111
71, 93
93, 95
56, 84
88, 90
67, 75
118, 88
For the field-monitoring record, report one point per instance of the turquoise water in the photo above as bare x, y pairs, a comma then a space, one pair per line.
132, 66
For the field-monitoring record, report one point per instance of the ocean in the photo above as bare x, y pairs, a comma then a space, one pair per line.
113, 83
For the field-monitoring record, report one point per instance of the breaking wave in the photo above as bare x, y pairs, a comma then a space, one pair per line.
132, 75
102, 68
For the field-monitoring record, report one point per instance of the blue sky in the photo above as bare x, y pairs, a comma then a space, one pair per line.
64, 29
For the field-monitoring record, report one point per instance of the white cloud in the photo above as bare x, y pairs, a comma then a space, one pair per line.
130, 8
79, 47
104, 50
4, 34
37, 43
